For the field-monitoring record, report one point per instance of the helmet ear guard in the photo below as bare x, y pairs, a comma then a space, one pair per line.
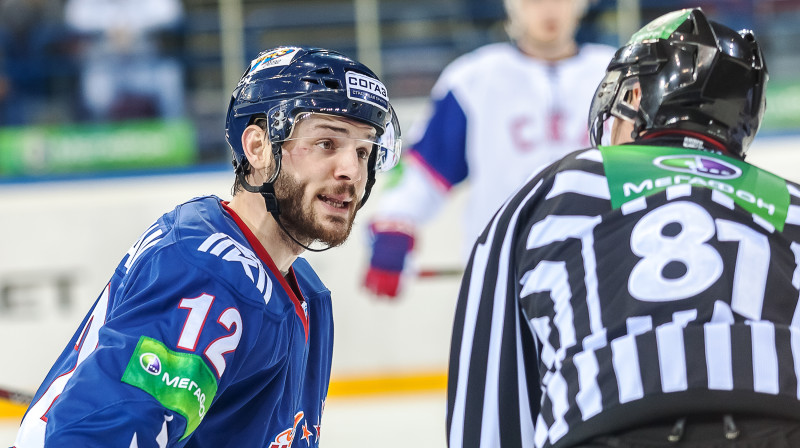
623, 107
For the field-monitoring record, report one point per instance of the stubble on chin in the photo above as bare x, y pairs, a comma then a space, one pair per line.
302, 220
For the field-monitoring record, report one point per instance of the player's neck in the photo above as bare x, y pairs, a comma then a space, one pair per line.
548, 51
251, 209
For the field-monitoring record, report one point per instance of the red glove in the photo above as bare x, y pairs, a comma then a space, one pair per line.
391, 243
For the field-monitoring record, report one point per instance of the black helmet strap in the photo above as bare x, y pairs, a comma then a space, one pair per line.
267, 191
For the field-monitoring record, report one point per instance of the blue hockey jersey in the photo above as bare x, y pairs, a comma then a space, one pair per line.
196, 341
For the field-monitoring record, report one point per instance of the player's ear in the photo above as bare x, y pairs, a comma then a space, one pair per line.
636, 95
256, 147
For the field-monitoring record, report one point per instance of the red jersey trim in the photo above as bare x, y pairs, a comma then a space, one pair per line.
264, 256
438, 180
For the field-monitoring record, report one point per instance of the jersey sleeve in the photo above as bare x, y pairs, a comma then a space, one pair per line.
434, 163
493, 391
161, 343
442, 146
489, 345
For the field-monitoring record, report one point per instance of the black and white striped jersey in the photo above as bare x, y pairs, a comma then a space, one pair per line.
625, 285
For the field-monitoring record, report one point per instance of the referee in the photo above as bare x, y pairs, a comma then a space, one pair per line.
642, 294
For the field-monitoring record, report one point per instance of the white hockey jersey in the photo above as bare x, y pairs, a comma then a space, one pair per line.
497, 117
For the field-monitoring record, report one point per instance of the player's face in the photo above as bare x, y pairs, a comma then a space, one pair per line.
549, 22
324, 177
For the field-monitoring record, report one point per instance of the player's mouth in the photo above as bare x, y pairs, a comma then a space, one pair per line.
338, 203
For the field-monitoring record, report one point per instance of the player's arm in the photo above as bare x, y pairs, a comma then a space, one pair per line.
472, 377
151, 359
492, 388
435, 163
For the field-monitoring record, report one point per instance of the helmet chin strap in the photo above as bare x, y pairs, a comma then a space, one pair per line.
267, 191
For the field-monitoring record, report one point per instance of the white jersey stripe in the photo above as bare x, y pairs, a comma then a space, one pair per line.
634, 205
557, 391
722, 199
671, 357
796, 276
795, 342
590, 280
162, 439
541, 325
765, 358
718, 356
626, 366
527, 428
722, 313
477, 275
552, 276
592, 154
580, 182
481, 259
637, 325
541, 432
793, 215
796, 283
678, 191
559, 228
589, 396
490, 424
763, 223
683, 318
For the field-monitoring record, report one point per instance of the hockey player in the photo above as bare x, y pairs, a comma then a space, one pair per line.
213, 331
498, 113
646, 293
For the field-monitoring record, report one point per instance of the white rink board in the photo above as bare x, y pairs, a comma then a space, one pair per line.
83, 229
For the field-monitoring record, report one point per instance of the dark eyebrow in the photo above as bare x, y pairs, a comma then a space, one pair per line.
338, 129
332, 128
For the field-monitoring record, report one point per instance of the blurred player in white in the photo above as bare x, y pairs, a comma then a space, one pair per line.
498, 114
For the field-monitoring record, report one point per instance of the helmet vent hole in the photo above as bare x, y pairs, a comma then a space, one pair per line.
333, 84
324, 71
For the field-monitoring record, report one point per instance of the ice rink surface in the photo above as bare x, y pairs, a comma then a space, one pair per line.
388, 421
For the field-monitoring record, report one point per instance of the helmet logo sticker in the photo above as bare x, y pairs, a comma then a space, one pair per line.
662, 27
274, 58
367, 90
699, 165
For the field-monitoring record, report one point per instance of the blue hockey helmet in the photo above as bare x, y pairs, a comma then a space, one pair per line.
285, 82
694, 74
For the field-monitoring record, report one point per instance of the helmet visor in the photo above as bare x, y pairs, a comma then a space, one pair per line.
389, 144
386, 142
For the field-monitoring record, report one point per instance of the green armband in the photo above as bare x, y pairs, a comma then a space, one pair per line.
179, 381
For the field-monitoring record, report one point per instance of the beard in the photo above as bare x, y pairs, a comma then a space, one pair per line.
301, 219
